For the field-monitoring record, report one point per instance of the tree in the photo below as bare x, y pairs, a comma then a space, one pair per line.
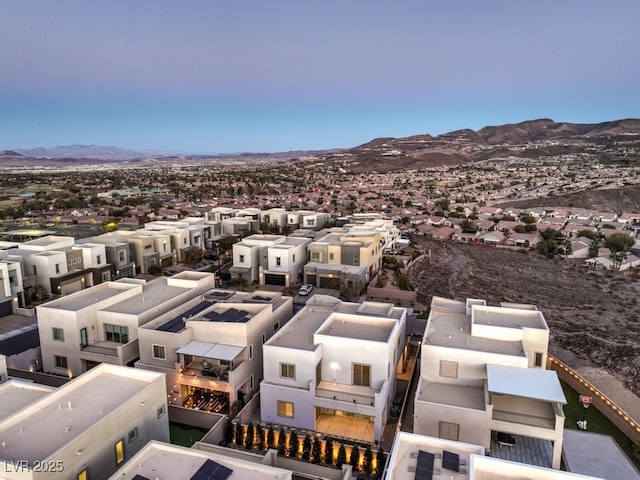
294, 444
306, 447
354, 460
228, 431
618, 245
328, 451
193, 255
270, 438
342, 456
226, 242
379, 462
588, 234
403, 282
39, 292
367, 461
282, 442
239, 434
527, 218
259, 437
594, 247
316, 451
249, 440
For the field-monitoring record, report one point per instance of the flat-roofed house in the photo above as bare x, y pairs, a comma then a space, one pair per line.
334, 358
84, 429
483, 374
211, 347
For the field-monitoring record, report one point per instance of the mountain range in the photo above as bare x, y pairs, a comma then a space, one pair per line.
529, 139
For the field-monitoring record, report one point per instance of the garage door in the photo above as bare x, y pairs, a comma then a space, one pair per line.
271, 279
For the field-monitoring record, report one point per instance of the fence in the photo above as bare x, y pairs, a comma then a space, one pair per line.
604, 404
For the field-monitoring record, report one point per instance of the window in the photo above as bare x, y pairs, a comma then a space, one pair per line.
538, 359
116, 333
278, 262
184, 241
35, 270
148, 246
106, 276
285, 409
98, 259
448, 369
133, 434
159, 352
160, 411
276, 326
61, 362
120, 451
315, 256
331, 256
58, 334
311, 222
288, 370
355, 259
362, 375
449, 430
251, 382
251, 352
84, 474
241, 258
264, 337
121, 256
57, 268
69, 262
293, 257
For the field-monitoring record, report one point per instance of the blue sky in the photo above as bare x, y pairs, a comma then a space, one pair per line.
229, 76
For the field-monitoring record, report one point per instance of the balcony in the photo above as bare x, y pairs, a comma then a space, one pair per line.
347, 393
110, 352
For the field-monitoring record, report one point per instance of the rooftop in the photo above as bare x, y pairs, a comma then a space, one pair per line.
153, 294
463, 396
41, 429
533, 383
508, 317
15, 395
160, 460
90, 296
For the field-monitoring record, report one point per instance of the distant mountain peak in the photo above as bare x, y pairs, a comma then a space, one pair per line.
82, 151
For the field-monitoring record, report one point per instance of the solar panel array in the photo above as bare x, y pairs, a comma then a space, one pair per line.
450, 461
211, 470
218, 295
424, 469
258, 298
139, 477
176, 324
228, 315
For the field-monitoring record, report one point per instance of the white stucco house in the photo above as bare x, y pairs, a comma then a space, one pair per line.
334, 358
483, 376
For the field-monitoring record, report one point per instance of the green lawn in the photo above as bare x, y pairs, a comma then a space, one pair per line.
596, 422
184, 434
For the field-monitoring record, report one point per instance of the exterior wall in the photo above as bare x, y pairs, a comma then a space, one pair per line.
472, 365
473, 424
93, 255
46, 267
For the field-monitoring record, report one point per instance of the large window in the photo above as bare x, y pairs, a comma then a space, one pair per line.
61, 362
58, 334
448, 369
287, 370
449, 430
119, 451
159, 352
362, 375
315, 256
116, 333
285, 409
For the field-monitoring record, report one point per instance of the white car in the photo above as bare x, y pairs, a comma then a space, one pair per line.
305, 289
50, 224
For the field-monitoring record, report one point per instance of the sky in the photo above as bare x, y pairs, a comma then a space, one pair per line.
227, 76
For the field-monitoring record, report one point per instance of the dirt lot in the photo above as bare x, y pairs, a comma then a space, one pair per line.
594, 317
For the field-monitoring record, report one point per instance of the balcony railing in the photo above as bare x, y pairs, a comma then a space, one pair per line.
347, 393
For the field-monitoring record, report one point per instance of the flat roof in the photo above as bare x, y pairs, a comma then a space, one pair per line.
161, 460
153, 294
508, 317
299, 331
44, 427
491, 468
16, 395
533, 383
463, 396
90, 296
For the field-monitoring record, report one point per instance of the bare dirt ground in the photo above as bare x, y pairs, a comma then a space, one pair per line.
594, 317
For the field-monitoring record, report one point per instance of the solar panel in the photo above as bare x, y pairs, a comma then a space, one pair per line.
424, 469
450, 461
229, 315
211, 470
177, 323
139, 477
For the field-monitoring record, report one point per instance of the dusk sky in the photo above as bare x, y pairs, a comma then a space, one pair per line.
271, 75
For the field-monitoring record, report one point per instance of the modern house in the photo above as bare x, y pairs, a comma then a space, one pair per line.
483, 379
417, 457
211, 347
269, 259
334, 359
100, 324
83, 430
11, 285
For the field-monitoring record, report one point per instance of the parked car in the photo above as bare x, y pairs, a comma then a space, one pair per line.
305, 289
49, 224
